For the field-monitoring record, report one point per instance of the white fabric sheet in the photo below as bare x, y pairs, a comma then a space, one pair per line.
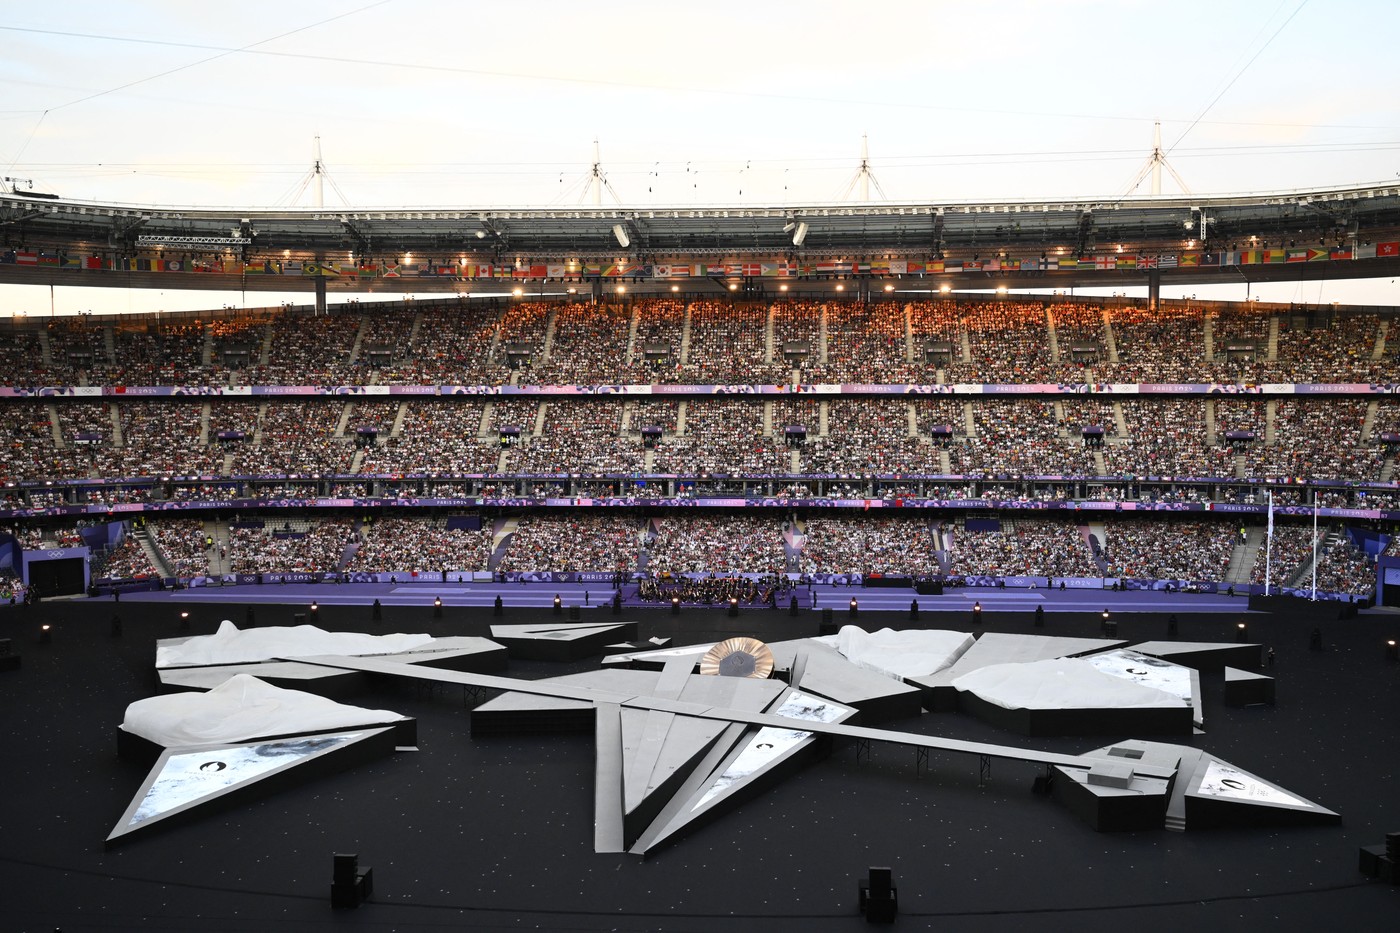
1060, 683
241, 708
913, 653
229, 645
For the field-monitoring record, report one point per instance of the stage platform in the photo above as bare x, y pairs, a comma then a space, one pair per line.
457, 820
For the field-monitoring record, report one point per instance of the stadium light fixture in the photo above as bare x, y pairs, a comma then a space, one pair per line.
840, 287
733, 286
620, 232
675, 288
945, 288
799, 235
889, 288
622, 289
517, 291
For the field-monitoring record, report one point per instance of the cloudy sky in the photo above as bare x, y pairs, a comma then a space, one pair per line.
466, 104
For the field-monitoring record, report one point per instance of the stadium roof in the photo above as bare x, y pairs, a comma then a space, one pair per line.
1147, 224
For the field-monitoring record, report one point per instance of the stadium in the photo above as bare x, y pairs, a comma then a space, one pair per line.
767, 419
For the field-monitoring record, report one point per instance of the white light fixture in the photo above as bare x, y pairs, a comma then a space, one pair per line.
799, 236
620, 231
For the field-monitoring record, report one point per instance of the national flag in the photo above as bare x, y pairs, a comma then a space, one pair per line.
93, 262
1166, 262
1127, 262
72, 262
1189, 259
1341, 253
1387, 249
1147, 262
27, 259
1103, 262
1275, 255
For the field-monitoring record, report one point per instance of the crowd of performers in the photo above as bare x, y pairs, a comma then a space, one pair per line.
713, 590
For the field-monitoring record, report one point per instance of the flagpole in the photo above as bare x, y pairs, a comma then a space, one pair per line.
1269, 545
1314, 562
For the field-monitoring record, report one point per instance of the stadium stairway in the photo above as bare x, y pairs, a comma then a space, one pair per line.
153, 553
1244, 556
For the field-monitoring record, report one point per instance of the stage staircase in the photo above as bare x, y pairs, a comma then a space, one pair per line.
1193, 761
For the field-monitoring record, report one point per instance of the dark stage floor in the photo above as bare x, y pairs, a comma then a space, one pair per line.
497, 834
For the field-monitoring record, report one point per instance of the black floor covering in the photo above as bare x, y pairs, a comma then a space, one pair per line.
496, 834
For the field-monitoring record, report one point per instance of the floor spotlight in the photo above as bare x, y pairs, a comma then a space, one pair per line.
437, 607
45, 633
1392, 652
184, 621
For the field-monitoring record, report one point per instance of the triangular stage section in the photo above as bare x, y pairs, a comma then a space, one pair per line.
764, 757
561, 641
1203, 655
189, 781
1234, 675
1001, 648
1158, 673
1220, 794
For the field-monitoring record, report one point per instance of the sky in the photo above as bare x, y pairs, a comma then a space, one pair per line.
467, 104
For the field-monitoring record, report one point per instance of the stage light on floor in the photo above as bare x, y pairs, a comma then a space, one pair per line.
675, 605
45, 633
376, 611
1392, 651
184, 621
1241, 632
733, 606
350, 886
879, 898
855, 607
437, 607
315, 612
498, 607
558, 605
977, 613
913, 610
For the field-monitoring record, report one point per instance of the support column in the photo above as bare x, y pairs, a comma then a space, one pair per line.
1154, 288
320, 285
